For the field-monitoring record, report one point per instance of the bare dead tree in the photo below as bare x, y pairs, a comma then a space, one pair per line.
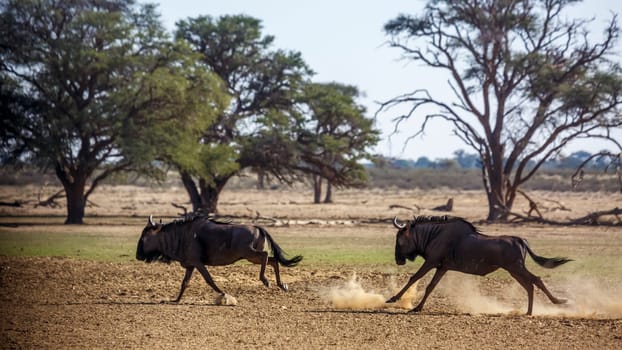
526, 81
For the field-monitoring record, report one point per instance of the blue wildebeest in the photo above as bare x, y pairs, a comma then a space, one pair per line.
197, 241
452, 243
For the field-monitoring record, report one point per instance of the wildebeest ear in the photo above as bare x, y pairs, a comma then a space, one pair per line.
150, 222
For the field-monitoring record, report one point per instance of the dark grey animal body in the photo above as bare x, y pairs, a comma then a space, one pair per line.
200, 241
451, 243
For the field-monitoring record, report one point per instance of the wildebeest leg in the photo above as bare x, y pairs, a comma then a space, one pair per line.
525, 281
208, 278
414, 278
262, 272
538, 282
528, 280
275, 264
260, 257
435, 279
185, 282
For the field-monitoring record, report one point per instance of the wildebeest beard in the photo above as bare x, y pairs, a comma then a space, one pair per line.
157, 257
151, 257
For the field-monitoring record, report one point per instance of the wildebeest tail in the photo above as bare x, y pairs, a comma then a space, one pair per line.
549, 263
279, 254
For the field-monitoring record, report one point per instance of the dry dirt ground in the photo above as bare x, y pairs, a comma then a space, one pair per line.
54, 303
58, 303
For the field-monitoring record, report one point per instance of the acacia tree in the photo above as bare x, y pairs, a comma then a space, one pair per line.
526, 81
92, 87
263, 84
335, 132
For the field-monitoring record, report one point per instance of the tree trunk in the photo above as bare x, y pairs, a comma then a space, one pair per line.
210, 193
74, 184
317, 189
495, 191
329, 192
496, 209
204, 196
261, 176
75, 202
191, 188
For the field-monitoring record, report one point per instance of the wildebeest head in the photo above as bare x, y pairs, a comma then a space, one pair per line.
148, 249
404, 246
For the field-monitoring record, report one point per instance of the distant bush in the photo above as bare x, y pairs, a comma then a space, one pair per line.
423, 178
379, 177
471, 179
17, 177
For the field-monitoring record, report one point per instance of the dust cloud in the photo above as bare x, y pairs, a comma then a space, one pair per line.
352, 295
587, 298
464, 292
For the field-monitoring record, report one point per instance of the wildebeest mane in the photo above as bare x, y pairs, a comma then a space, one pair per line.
200, 215
173, 232
442, 219
430, 218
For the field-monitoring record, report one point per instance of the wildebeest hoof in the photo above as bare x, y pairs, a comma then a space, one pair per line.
417, 309
284, 287
266, 283
560, 301
226, 300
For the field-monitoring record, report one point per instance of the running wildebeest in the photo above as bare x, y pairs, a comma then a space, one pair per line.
452, 243
197, 241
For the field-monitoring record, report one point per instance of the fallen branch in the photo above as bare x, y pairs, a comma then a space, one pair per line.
399, 206
592, 218
17, 204
178, 206
560, 206
449, 206
51, 200
533, 206
255, 216
589, 219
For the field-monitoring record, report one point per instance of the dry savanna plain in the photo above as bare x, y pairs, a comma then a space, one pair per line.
79, 286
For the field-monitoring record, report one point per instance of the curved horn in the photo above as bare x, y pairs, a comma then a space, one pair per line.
398, 226
151, 223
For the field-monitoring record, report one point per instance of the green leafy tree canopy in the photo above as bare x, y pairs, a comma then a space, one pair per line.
94, 87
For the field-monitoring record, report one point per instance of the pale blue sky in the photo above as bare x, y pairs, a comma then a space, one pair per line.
343, 41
